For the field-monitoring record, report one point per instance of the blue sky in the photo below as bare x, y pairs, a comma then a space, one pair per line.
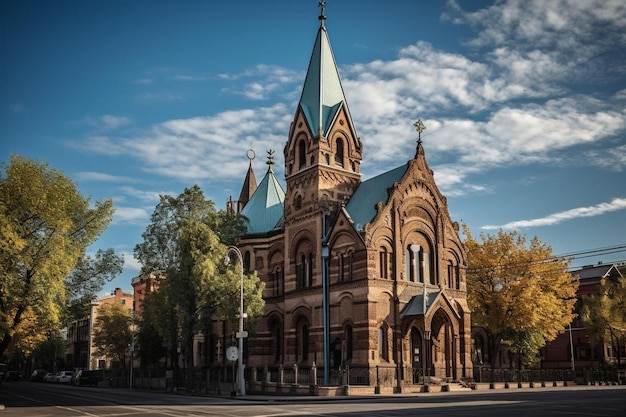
524, 102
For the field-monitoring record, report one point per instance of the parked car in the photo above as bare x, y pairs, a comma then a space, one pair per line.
38, 375
63, 377
85, 377
13, 376
49, 377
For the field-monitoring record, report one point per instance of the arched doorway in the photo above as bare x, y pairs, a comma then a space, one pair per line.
442, 346
417, 350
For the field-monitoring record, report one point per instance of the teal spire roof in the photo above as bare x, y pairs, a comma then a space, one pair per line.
322, 93
265, 208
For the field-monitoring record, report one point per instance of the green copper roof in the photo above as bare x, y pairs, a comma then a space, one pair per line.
362, 204
415, 307
265, 208
322, 93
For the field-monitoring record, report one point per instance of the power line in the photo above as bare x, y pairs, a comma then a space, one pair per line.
586, 253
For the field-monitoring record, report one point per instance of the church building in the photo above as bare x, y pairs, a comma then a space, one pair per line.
359, 274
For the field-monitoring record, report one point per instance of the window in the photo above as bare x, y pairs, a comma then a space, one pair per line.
453, 276
339, 153
276, 341
277, 280
302, 342
341, 268
384, 263
304, 271
301, 154
246, 261
350, 264
383, 345
419, 265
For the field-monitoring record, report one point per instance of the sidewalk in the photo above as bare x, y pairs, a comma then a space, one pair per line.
482, 388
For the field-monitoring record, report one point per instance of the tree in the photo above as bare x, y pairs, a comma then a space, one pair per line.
604, 315
183, 241
522, 293
46, 224
112, 333
87, 279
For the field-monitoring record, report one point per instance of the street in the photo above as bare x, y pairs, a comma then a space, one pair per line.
30, 399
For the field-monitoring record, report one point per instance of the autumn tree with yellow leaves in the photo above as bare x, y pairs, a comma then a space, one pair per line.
522, 296
604, 315
46, 226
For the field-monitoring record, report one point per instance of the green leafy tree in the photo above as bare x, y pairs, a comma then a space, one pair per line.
604, 315
184, 241
112, 333
517, 292
87, 279
46, 224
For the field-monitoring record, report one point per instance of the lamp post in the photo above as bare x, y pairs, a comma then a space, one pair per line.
240, 334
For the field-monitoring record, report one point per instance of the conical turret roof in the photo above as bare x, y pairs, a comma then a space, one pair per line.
265, 208
322, 94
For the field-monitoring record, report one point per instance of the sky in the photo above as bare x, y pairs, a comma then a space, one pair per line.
524, 103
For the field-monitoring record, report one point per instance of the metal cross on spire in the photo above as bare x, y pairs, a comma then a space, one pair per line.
322, 17
420, 127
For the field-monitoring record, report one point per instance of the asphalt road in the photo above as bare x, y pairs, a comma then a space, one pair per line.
29, 399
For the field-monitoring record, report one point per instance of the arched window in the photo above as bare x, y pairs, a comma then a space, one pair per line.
339, 153
301, 154
278, 277
304, 271
384, 258
419, 264
298, 202
276, 340
302, 342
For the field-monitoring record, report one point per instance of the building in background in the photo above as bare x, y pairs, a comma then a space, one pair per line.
80, 349
575, 340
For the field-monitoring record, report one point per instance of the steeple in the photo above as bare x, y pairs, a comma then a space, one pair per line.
264, 210
322, 94
249, 184
323, 153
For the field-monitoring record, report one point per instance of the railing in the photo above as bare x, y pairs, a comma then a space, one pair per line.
222, 378
543, 377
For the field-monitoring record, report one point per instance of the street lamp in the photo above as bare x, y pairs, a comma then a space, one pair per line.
240, 334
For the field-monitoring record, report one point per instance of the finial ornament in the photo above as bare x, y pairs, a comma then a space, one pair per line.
250, 154
419, 126
270, 158
322, 17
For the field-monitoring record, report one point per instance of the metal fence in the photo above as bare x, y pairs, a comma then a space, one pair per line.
223, 378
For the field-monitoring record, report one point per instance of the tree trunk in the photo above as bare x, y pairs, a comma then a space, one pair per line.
494, 348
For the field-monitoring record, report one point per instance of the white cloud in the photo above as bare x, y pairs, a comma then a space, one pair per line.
560, 217
108, 122
130, 262
131, 215
102, 177
147, 196
266, 79
505, 104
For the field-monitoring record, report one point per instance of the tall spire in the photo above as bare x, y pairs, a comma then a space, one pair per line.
249, 184
322, 94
